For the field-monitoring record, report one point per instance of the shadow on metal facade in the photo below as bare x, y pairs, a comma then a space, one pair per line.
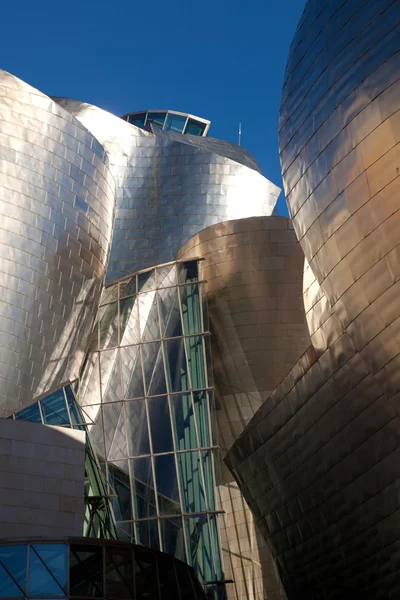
170, 186
319, 462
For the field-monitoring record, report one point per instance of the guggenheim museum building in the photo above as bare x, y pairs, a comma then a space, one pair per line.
200, 399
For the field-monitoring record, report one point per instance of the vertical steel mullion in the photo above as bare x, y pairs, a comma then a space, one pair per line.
28, 564
186, 123
68, 411
40, 411
212, 545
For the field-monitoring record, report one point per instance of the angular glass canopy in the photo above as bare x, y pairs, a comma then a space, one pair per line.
169, 120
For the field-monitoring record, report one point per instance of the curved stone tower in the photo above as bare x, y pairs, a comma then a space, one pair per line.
170, 186
57, 199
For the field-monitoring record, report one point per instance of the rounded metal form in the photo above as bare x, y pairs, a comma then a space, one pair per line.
171, 186
57, 199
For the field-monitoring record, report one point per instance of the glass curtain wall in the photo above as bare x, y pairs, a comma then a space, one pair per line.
148, 392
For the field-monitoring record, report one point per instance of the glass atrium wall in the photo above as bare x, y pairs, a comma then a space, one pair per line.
146, 388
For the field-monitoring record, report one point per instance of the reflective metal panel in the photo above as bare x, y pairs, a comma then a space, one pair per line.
254, 272
56, 212
170, 186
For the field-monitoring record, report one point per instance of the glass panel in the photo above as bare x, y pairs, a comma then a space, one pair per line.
191, 309
167, 577
110, 374
129, 317
14, 560
54, 409
172, 537
74, 410
138, 119
183, 420
166, 276
136, 422
177, 373
118, 476
153, 365
119, 572
41, 581
199, 543
31, 413
113, 429
147, 533
195, 127
175, 123
171, 323
215, 543
186, 587
147, 281
86, 571
193, 499
127, 287
160, 424
201, 409
110, 294
108, 325
157, 118
146, 582
55, 558
132, 374
148, 317
208, 478
187, 271
167, 485
194, 349
143, 488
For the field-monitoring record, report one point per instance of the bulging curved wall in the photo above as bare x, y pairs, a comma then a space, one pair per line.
339, 144
170, 186
57, 199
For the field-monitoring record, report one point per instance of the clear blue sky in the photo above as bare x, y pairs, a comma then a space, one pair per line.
222, 60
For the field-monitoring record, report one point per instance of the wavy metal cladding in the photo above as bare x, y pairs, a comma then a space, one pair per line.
170, 186
57, 199
253, 270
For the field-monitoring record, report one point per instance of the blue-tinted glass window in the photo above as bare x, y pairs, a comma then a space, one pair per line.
47, 569
143, 488
138, 119
173, 543
194, 127
157, 118
193, 496
13, 561
31, 413
54, 409
160, 425
175, 123
167, 484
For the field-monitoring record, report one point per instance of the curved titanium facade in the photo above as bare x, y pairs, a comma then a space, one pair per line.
57, 200
78, 568
318, 463
170, 186
253, 270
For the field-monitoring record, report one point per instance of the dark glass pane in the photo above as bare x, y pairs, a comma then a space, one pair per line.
148, 317
160, 424
194, 349
138, 119
170, 314
191, 308
119, 481
147, 533
136, 422
129, 318
167, 484
193, 497
110, 294
31, 413
54, 409
206, 458
41, 581
127, 287
200, 553
201, 400
74, 410
119, 572
153, 365
194, 127
143, 488
54, 556
186, 586
147, 281
188, 271
114, 430
108, 325
175, 123
183, 420
172, 537
14, 560
177, 373
146, 581
132, 374
86, 571
157, 118
215, 543
168, 582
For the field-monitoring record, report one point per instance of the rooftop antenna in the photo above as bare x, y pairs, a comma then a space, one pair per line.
240, 133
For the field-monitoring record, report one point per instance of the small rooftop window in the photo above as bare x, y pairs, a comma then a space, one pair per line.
169, 120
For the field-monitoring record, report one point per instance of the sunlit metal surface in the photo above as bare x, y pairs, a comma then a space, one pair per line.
57, 199
254, 272
318, 463
170, 186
